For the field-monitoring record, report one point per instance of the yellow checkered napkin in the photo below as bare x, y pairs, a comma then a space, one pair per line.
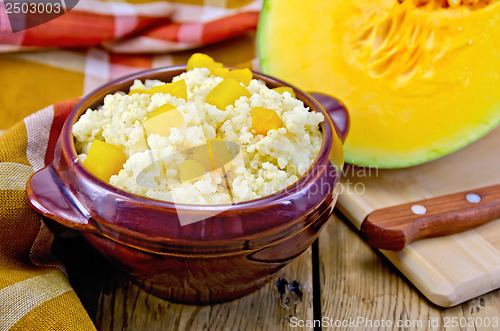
35, 293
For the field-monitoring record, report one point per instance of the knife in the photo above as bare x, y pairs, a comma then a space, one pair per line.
393, 228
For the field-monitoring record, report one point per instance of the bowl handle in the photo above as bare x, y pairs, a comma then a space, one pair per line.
50, 197
337, 111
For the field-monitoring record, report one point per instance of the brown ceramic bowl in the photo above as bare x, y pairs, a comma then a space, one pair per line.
218, 259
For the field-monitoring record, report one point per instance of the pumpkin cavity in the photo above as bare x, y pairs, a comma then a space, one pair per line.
444, 4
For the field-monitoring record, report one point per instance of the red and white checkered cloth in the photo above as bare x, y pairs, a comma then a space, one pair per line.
75, 53
100, 40
136, 27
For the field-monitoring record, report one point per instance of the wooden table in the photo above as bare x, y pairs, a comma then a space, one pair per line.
342, 280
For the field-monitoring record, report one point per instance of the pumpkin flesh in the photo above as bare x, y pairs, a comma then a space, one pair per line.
420, 79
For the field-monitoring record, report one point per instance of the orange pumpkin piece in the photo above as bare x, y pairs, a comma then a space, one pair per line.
199, 60
176, 89
226, 93
104, 160
282, 89
243, 76
190, 169
264, 119
162, 120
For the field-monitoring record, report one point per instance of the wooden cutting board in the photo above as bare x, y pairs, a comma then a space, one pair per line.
447, 270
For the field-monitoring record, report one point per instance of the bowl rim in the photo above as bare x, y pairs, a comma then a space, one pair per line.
327, 128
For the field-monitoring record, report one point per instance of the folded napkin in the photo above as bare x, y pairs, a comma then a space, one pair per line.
35, 293
134, 26
98, 41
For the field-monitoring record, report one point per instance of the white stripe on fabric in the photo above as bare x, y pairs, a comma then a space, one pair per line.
11, 48
97, 69
215, 13
66, 60
13, 176
253, 6
126, 19
190, 33
40, 252
20, 298
38, 127
120, 70
203, 14
184, 13
179, 12
139, 44
162, 61
153, 9
215, 3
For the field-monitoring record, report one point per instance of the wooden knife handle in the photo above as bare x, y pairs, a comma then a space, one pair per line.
395, 227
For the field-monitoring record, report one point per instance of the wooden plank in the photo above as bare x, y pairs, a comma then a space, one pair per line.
447, 270
116, 303
358, 282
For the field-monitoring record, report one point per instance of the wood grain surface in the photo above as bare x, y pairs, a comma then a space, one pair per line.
447, 270
358, 282
355, 281
114, 302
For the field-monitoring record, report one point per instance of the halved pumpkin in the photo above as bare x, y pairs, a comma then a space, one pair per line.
420, 78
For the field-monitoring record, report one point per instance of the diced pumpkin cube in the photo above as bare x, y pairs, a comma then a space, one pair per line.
166, 107
264, 119
243, 76
162, 122
220, 155
190, 169
104, 160
219, 70
212, 155
201, 154
138, 91
282, 89
226, 93
176, 89
199, 60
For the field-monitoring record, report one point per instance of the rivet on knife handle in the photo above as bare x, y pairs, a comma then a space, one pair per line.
393, 228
